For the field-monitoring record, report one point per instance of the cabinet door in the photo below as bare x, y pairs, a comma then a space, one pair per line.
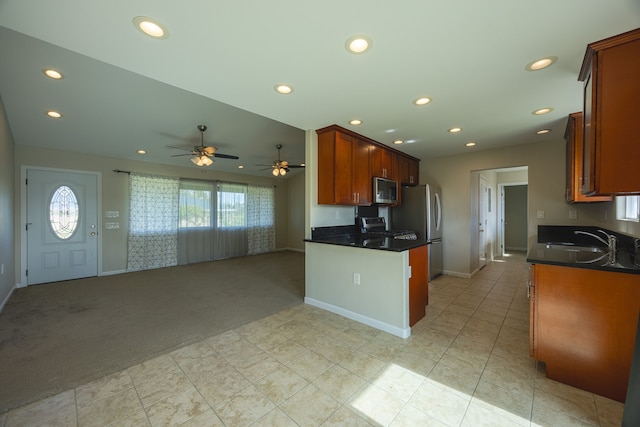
408, 172
418, 284
361, 183
532, 312
344, 161
382, 163
574, 159
585, 325
611, 92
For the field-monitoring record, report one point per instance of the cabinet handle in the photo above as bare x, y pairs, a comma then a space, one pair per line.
528, 289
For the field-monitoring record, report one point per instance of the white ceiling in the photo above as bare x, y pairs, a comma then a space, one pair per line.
123, 91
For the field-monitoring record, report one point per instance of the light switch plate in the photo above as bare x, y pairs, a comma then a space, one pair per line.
540, 214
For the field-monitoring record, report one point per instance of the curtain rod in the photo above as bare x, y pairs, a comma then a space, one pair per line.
195, 179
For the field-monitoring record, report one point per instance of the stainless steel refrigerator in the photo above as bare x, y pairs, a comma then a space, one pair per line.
421, 211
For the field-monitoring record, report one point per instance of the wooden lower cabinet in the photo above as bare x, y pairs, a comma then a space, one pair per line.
583, 326
418, 284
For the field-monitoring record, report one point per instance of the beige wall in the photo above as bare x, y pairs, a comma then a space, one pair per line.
546, 178
295, 227
115, 194
7, 257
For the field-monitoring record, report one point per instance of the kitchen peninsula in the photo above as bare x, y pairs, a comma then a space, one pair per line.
380, 282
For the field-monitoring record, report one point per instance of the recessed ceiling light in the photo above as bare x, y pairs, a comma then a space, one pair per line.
543, 131
542, 111
398, 141
141, 152
240, 166
54, 114
358, 44
51, 73
540, 64
283, 89
150, 27
355, 122
470, 144
424, 100
455, 130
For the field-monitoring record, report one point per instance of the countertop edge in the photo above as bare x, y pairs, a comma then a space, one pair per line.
405, 246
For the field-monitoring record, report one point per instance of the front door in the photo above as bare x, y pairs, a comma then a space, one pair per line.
62, 226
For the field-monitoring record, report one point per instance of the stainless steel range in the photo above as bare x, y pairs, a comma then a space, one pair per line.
376, 227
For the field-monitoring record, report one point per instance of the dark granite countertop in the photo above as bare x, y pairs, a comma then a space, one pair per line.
346, 235
558, 248
380, 243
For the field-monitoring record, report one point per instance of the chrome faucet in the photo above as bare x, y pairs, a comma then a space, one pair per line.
611, 242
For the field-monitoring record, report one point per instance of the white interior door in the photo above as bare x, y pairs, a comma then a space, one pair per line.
482, 221
62, 226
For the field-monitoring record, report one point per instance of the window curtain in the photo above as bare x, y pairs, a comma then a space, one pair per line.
153, 222
230, 235
196, 221
261, 234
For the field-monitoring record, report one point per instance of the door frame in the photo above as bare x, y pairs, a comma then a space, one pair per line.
501, 206
23, 216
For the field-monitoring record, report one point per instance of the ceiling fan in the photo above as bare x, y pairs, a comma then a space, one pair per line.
281, 167
202, 155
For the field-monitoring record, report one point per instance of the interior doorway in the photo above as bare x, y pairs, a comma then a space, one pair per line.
515, 208
487, 232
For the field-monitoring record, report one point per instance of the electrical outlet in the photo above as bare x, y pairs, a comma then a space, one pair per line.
573, 215
356, 278
540, 214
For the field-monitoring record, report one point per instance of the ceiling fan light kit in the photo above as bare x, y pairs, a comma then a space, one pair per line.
203, 155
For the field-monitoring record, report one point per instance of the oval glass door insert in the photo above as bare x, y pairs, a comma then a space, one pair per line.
63, 212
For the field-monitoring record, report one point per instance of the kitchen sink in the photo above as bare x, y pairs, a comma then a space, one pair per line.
572, 248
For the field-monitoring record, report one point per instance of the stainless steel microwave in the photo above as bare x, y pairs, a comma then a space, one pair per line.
385, 191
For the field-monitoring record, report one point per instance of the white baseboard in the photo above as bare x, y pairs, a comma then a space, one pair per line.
112, 273
6, 300
393, 330
457, 274
290, 249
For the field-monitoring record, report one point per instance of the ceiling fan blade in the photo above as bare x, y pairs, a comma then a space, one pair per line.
180, 155
226, 156
295, 166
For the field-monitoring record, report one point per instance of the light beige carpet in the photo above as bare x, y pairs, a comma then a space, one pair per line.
56, 336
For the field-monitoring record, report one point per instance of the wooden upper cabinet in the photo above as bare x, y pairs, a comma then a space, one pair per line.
384, 163
344, 176
574, 159
408, 170
611, 134
347, 162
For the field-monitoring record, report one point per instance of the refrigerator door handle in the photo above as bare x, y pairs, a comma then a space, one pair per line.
438, 211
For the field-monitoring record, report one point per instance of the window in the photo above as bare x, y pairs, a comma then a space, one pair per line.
195, 204
63, 212
628, 208
232, 206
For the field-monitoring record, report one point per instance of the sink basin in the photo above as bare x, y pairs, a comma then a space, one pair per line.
593, 249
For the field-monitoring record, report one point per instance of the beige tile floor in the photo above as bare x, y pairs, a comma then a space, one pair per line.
465, 364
